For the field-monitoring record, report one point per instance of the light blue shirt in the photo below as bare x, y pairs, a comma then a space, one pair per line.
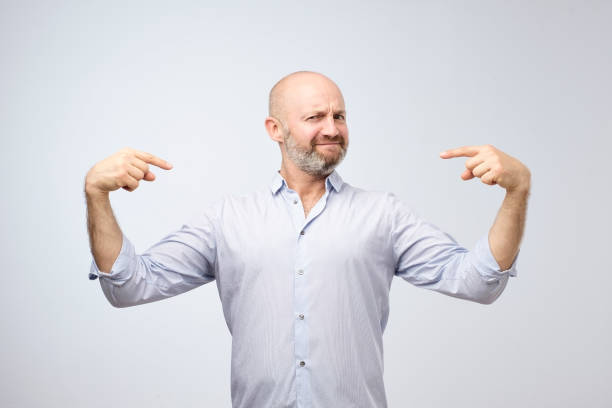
306, 299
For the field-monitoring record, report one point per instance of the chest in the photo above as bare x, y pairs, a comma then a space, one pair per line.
308, 205
279, 239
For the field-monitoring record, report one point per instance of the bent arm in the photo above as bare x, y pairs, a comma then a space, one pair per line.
181, 261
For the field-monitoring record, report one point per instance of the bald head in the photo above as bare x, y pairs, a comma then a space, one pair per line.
286, 92
307, 119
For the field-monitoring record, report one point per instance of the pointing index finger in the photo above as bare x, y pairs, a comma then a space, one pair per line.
149, 158
466, 151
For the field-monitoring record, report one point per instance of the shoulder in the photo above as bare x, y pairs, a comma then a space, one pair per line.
361, 194
385, 206
387, 199
247, 203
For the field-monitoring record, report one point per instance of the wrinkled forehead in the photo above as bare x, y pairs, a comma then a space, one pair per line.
313, 95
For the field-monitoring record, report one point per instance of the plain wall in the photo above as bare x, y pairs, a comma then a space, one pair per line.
188, 81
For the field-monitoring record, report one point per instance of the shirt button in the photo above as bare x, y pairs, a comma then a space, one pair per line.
301, 272
301, 317
302, 363
294, 201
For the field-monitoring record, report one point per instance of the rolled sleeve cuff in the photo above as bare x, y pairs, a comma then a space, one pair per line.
120, 271
486, 263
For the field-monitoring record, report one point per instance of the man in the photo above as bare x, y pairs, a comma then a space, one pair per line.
304, 267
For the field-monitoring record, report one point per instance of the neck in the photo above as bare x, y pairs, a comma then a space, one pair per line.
305, 184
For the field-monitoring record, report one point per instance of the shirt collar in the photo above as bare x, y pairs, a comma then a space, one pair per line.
333, 180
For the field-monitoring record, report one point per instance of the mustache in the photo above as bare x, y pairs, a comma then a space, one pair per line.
337, 139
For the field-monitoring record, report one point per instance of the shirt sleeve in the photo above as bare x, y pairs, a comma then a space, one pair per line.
182, 260
432, 259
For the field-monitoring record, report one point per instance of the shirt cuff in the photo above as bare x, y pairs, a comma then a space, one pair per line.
487, 265
120, 271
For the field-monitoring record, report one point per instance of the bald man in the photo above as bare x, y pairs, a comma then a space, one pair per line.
304, 267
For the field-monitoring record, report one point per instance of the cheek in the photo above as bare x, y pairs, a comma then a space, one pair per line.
310, 133
345, 133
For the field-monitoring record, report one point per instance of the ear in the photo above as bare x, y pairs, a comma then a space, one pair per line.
274, 128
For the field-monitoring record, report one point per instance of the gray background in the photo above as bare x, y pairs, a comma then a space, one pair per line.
189, 82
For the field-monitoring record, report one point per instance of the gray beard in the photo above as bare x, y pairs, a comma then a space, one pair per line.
309, 160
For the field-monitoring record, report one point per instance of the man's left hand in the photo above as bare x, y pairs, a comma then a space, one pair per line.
492, 166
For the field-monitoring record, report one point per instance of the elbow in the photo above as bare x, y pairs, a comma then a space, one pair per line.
124, 292
488, 299
116, 301
491, 292
119, 305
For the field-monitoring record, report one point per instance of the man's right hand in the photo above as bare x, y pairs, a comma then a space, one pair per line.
123, 169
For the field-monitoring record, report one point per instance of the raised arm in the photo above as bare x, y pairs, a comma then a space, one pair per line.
430, 258
180, 261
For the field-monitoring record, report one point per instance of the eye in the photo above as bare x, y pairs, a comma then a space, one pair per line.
339, 116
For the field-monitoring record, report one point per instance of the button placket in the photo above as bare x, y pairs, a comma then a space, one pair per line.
300, 302
301, 295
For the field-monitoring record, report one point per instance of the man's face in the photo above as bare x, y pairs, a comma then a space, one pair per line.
316, 134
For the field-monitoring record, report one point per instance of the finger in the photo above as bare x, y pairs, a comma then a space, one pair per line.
488, 178
148, 174
466, 151
135, 172
481, 169
131, 184
474, 161
467, 175
149, 158
141, 164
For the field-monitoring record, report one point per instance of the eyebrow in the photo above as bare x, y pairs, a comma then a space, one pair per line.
321, 111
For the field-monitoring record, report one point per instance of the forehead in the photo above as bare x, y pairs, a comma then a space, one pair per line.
314, 94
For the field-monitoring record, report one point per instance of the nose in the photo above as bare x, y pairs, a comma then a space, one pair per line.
330, 129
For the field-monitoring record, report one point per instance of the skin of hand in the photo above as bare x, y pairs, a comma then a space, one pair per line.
123, 169
493, 166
